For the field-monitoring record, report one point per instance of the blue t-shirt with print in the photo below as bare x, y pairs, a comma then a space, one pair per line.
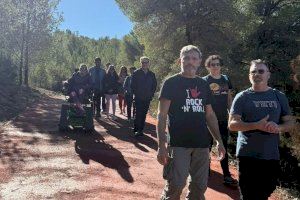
253, 106
187, 121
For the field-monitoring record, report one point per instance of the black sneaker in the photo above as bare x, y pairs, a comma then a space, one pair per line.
138, 133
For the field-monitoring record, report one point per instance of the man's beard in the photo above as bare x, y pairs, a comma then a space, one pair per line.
190, 67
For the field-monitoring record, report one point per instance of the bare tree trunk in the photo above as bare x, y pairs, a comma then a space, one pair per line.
22, 56
26, 70
188, 34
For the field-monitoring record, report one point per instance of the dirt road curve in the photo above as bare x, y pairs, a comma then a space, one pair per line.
38, 162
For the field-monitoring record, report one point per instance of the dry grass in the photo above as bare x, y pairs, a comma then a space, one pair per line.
295, 137
287, 194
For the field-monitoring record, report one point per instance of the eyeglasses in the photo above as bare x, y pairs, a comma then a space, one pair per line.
259, 71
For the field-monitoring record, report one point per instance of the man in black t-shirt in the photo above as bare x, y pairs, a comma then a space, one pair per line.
220, 86
185, 100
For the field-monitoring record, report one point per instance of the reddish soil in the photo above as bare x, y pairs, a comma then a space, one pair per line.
39, 162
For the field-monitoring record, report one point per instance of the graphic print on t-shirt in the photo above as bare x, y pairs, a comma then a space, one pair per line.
192, 102
265, 104
217, 89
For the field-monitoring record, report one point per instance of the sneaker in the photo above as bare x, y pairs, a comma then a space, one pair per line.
113, 117
228, 180
138, 133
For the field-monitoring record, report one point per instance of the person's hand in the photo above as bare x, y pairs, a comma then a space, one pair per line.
162, 155
221, 151
261, 124
272, 127
81, 91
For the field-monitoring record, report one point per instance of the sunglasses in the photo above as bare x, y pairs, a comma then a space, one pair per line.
215, 65
259, 71
145, 62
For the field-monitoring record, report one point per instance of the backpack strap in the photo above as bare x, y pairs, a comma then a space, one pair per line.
225, 77
276, 92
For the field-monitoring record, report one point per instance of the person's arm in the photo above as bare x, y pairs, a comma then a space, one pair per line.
229, 100
288, 123
163, 109
90, 71
235, 123
212, 123
134, 83
213, 127
287, 120
154, 84
125, 85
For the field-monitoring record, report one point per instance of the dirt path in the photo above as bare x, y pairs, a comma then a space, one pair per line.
38, 162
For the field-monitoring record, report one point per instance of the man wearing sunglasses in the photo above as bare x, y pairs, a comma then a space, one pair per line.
220, 86
260, 114
143, 86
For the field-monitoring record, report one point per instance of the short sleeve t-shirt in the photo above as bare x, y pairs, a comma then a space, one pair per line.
187, 122
219, 88
253, 106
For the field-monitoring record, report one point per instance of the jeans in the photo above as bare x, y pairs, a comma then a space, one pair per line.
142, 107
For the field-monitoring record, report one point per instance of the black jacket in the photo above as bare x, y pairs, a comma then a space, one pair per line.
111, 84
143, 85
77, 82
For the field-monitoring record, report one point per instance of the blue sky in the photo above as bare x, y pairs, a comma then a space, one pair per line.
94, 18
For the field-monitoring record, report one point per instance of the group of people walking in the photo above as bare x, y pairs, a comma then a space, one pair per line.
134, 91
197, 110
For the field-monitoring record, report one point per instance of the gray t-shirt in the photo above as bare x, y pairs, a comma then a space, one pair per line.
253, 106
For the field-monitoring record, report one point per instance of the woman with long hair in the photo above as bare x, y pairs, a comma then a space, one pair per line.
111, 86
